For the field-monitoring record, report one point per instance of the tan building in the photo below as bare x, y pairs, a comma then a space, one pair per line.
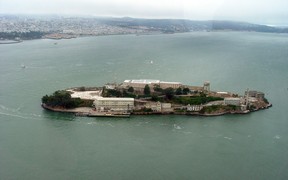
255, 94
165, 85
114, 104
194, 107
159, 107
166, 107
141, 83
154, 106
232, 101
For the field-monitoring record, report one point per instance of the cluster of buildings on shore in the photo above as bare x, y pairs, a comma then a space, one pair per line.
141, 83
124, 105
103, 104
62, 27
108, 104
59, 36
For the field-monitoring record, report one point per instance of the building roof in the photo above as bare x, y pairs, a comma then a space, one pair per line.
222, 92
165, 82
142, 81
145, 81
114, 99
149, 81
232, 98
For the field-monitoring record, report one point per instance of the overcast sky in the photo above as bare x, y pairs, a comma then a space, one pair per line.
273, 12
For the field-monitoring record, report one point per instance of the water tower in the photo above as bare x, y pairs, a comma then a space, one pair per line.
206, 86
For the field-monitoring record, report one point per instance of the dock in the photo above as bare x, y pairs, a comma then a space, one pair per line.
103, 114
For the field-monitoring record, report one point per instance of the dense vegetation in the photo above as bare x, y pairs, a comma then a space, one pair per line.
147, 90
63, 99
220, 108
195, 100
112, 93
118, 93
171, 95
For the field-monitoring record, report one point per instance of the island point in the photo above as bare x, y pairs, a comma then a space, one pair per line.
145, 97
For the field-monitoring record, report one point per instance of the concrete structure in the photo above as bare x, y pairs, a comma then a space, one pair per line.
232, 101
243, 107
159, 107
206, 86
154, 106
255, 94
90, 95
166, 107
114, 104
222, 94
194, 107
110, 86
165, 85
141, 83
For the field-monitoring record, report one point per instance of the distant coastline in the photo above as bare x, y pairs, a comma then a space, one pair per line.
66, 28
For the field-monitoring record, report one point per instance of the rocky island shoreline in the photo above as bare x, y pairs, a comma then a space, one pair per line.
152, 97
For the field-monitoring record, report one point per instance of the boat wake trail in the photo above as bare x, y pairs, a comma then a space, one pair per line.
14, 115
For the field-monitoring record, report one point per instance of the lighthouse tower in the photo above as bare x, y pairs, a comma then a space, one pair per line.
206, 86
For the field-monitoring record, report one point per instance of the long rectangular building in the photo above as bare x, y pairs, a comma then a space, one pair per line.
114, 104
141, 83
232, 101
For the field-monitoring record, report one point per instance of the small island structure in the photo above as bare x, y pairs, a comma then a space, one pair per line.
143, 97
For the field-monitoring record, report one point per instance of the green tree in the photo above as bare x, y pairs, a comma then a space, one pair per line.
130, 89
179, 91
125, 94
112, 93
155, 98
186, 91
82, 88
169, 93
147, 90
157, 88
62, 99
202, 94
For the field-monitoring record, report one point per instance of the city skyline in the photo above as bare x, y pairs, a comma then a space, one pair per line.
269, 12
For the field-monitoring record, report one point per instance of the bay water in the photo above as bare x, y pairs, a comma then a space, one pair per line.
38, 144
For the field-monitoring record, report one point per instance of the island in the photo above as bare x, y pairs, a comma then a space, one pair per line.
147, 97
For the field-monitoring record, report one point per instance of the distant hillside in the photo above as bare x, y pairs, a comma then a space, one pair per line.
33, 27
180, 25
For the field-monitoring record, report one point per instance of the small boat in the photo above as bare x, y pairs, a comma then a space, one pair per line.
151, 62
23, 66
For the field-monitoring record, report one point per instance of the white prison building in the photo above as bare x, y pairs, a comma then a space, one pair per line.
141, 83
103, 104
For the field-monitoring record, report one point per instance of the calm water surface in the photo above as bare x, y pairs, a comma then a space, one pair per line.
36, 144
